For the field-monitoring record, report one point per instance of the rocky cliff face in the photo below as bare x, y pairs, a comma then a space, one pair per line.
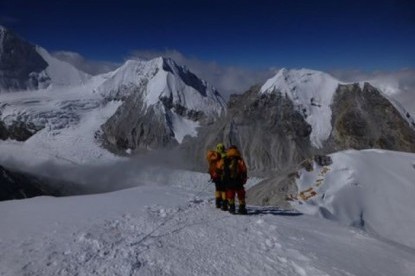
363, 118
19, 131
20, 63
136, 127
270, 132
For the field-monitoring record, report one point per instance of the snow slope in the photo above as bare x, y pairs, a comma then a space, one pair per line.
312, 93
70, 118
60, 72
370, 189
173, 229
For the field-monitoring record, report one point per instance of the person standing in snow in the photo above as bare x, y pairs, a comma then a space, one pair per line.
234, 178
216, 161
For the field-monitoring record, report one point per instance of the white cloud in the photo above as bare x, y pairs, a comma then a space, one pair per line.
403, 79
399, 84
93, 67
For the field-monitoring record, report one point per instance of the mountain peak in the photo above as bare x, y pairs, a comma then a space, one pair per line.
311, 92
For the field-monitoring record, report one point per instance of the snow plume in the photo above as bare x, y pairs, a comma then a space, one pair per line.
93, 67
151, 168
403, 79
227, 79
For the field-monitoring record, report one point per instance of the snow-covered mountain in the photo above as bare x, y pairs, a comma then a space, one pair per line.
165, 80
312, 94
164, 102
299, 113
26, 66
147, 104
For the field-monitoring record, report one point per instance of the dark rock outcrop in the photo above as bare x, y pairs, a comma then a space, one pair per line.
267, 129
19, 186
20, 63
19, 131
137, 127
363, 119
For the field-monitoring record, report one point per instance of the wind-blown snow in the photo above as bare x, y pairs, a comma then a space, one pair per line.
403, 102
174, 229
371, 189
312, 94
60, 72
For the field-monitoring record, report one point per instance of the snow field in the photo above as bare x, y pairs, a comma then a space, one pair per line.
171, 227
369, 189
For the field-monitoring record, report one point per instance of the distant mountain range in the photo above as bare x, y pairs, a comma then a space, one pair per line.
147, 105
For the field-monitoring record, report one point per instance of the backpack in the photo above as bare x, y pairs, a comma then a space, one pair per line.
215, 165
235, 170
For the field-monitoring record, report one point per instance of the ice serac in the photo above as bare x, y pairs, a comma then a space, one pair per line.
163, 102
25, 66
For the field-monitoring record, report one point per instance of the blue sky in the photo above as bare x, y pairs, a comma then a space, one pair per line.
325, 35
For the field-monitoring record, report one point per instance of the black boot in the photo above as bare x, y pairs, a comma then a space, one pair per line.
232, 208
242, 209
218, 202
224, 205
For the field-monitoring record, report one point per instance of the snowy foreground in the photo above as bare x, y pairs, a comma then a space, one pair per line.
371, 189
170, 227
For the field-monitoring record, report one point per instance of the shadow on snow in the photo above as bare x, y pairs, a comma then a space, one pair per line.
257, 210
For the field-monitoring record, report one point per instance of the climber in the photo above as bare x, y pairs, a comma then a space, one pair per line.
216, 160
234, 177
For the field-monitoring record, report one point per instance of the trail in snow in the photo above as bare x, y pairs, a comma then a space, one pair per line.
166, 230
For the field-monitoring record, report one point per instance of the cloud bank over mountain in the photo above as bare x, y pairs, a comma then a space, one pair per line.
93, 67
230, 79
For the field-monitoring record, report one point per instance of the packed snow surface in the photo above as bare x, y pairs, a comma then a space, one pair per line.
312, 93
172, 228
370, 189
